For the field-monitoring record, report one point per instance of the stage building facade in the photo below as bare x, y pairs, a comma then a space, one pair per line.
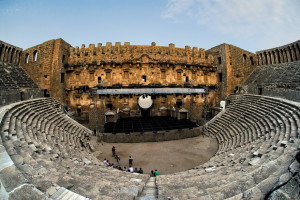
101, 83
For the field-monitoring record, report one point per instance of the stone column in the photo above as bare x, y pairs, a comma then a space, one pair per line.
281, 56
293, 53
297, 50
2, 53
289, 55
272, 58
284, 56
5, 54
277, 59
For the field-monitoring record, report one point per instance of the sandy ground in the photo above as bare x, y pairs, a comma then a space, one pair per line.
167, 157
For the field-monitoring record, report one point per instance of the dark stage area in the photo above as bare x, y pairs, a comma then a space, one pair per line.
146, 124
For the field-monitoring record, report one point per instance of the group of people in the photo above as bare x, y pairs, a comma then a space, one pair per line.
154, 173
130, 163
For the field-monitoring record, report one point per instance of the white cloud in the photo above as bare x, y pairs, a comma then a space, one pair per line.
266, 19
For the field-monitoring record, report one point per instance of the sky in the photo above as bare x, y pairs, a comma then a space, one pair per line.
252, 25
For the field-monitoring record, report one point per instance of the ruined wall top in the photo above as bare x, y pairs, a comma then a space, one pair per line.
138, 53
10, 53
286, 53
296, 43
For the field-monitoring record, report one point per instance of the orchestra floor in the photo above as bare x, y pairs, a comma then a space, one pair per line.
167, 157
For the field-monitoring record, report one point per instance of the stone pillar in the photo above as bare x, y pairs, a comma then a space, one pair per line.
284, 56
2, 53
272, 58
289, 56
293, 53
5, 54
281, 56
14, 57
297, 51
277, 56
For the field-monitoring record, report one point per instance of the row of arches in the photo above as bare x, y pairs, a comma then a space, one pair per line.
284, 54
34, 57
10, 54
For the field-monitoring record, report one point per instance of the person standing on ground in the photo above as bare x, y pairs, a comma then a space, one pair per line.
130, 161
113, 151
156, 172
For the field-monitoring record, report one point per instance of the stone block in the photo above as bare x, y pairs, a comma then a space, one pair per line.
27, 192
11, 178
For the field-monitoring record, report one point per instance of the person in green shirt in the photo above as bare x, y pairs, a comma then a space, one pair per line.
156, 172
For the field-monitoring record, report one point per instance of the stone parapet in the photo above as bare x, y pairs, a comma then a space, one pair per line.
138, 54
282, 54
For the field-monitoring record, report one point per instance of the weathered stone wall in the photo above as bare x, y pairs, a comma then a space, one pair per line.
15, 85
11, 96
134, 66
283, 54
234, 65
277, 80
45, 65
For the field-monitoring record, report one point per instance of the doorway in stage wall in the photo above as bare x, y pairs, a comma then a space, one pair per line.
145, 112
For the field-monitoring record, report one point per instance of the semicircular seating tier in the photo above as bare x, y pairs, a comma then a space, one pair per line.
258, 138
44, 154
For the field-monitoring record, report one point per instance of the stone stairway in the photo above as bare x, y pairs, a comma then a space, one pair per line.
150, 190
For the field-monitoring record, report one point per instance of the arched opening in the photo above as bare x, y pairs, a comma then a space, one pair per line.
144, 78
26, 58
35, 55
1, 50
244, 58
186, 79
251, 60
12, 55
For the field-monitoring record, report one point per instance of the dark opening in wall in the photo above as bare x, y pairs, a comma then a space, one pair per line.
244, 58
236, 89
144, 78
46, 93
62, 77
178, 103
186, 79
99, 79
260, 91
26, 58
35, 55
78, 112
251, 60
109, 106
22, 96
219, 60
220, 77
63, 58
1, 49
